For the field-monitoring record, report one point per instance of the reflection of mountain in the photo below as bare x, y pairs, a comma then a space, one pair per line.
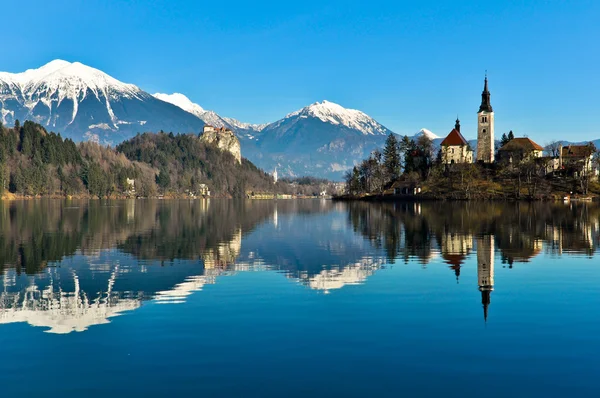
67, 299
70, 265
336, 278
63, 311
317, 249
75, 282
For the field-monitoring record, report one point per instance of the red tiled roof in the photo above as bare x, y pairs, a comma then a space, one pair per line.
521, 144
455, 138
577, 150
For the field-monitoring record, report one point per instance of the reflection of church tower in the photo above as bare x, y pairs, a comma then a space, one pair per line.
485, 127
485, 270
455, 249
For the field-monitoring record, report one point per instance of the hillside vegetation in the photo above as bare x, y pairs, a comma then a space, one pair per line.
35, 162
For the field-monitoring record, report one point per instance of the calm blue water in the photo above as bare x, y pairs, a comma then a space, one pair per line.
299, 298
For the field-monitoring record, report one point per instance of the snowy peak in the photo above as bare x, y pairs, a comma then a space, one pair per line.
427, 134
79, 100
70, 78
181, 101
329, 112
208, 117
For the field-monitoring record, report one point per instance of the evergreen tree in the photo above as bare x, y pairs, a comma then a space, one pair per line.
163, 179
503, 140
407, 150
511, 136
391, 158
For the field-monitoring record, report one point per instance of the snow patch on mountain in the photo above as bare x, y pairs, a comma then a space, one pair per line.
208, 117
333, 113
245, 126
181, 101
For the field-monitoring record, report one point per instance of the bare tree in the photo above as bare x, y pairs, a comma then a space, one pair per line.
553, 148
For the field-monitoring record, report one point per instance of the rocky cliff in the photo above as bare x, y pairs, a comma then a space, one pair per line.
223, 139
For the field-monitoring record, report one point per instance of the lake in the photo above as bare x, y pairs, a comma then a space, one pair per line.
299, 298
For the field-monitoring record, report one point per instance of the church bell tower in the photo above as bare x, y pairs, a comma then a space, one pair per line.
485, 127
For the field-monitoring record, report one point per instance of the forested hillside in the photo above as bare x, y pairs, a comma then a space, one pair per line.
35, 162
184, 162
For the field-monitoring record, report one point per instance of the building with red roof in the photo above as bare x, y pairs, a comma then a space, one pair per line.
520, 149
455, 148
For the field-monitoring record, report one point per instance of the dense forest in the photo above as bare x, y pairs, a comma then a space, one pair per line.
35, 162
184, 162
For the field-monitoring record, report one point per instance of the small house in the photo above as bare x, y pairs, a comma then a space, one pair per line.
518, 150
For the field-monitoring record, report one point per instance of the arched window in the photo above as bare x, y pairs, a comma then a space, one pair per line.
484, 131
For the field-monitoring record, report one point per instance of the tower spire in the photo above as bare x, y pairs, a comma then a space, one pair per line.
486, 105
457, 124
485, 301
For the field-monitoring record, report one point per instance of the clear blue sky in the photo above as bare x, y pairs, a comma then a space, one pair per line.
409, 64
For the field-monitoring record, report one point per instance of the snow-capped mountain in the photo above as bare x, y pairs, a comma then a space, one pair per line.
329, 112
323, 139
77, 101
427, 133
81, 102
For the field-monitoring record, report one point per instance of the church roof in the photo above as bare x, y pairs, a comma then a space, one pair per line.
455, 138
521, 144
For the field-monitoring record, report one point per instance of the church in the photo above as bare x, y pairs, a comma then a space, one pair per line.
456, 149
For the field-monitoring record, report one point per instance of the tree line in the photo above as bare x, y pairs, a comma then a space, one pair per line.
416, 162
35, 162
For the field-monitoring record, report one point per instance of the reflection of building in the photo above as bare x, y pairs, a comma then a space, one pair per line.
485, 270
455, 249
225, 254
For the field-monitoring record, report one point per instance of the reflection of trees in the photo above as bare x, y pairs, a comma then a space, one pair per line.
33, 233
416, 230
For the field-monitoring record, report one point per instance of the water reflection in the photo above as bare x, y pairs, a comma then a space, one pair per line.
69, 265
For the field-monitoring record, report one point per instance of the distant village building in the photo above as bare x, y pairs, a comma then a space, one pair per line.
485, 127
578, 159
519, 150
275, 175
129, 186
406, 188
455, 149
203, 190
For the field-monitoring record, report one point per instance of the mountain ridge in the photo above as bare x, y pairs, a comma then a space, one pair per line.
321, 139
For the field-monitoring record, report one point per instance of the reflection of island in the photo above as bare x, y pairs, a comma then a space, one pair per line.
520, 230
70, 265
